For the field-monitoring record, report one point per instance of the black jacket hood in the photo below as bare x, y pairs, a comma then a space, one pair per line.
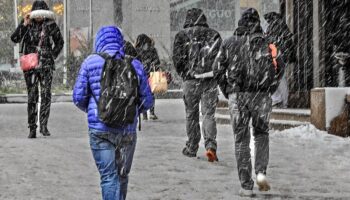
250, 20
272, 16
129, 49
40, 5
195, 17
143, 40
251, 14
241, 30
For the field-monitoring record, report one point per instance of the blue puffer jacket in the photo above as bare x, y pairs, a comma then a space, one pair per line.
109, 40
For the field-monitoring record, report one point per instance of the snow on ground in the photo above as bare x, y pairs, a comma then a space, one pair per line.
310, 132
304, 163
292, 111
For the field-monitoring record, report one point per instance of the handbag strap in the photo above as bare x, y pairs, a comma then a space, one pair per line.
22, 42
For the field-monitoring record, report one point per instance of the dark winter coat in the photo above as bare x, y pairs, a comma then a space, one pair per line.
129, 49
230, 65
225, 65
195, 27
30, 36
108, 40
147, 53
279, 34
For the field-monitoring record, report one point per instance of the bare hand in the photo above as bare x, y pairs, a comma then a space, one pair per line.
26, 20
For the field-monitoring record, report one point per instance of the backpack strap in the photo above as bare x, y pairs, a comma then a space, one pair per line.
105, 56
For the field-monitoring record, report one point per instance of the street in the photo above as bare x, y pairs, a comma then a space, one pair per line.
304, 163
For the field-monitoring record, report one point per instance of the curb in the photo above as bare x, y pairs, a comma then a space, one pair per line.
67, 97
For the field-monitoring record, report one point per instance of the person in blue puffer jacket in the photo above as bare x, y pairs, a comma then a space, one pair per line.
112, 148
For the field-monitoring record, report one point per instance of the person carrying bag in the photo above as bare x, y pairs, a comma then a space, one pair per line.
31, 61
37, 31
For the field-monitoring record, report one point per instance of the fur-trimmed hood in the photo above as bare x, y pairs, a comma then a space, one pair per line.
46, 14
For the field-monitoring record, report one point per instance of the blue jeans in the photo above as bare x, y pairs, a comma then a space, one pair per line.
113, 154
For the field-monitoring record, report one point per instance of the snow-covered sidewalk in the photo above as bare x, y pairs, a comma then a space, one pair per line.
304, 163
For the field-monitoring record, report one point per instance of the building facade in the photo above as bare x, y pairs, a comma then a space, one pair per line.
321, 30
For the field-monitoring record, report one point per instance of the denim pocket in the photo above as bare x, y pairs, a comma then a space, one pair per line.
99, 141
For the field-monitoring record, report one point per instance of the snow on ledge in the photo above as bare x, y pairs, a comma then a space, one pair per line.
309, 132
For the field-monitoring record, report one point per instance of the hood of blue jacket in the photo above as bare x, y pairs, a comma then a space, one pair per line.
109, 39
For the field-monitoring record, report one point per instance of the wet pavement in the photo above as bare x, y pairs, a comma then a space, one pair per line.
303, 164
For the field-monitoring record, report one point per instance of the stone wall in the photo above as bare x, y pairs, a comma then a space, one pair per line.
149, 17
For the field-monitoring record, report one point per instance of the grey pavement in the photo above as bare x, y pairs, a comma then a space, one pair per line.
61, 166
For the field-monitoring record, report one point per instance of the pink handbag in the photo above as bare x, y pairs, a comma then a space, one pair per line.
29, 61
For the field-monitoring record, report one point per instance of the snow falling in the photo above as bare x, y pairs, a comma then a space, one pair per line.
217, 93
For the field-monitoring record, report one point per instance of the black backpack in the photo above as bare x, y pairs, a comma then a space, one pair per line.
199, 52
260, 74
119, 92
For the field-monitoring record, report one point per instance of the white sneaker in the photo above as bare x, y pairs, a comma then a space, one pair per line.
261, 181
246, 193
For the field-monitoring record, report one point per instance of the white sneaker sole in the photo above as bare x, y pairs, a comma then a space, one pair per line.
246, 193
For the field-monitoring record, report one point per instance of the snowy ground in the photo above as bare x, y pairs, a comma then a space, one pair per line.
304, 163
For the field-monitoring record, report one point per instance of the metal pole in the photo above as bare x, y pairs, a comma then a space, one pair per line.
16, 13
65, 50
237, 12
16, 47
90, 21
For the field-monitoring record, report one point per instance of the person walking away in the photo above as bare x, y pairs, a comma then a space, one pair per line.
147, 53
112, 103
195, 48
279, 34
129, 49
247, 75
38, 26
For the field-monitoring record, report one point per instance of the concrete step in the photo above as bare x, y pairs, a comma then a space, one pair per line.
300, 115
274, 123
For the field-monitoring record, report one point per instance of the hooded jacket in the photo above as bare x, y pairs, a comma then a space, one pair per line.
147, 53
129, 49
30, 35
229, 65
195, 29
279, 34
109, 40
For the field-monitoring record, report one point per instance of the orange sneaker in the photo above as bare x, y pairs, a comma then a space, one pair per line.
211, 154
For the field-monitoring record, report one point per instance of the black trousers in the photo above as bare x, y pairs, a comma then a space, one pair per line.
33, 78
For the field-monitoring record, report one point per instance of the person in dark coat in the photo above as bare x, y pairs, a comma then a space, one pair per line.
233, 68
40, 20
148, 55
195, 49
280, 35
129, 49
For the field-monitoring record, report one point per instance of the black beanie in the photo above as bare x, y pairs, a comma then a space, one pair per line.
251, 14
40, 5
